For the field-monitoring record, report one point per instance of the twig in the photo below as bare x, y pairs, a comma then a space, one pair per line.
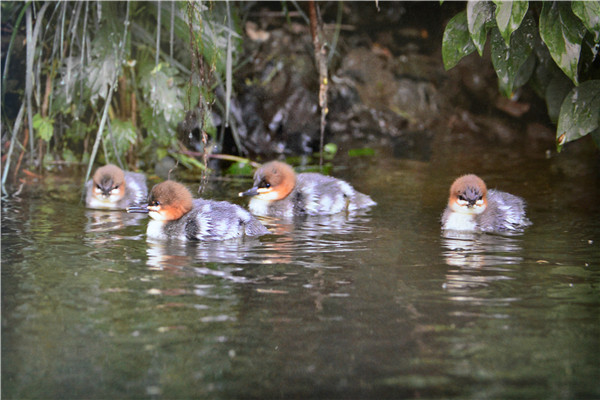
321, 62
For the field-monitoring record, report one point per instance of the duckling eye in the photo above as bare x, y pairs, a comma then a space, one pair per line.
461, 197
98, 186
267, 185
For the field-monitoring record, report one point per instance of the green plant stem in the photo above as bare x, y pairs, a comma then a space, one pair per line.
158, 18
100, 129
228, 68
10, 45
13, 140
32, 35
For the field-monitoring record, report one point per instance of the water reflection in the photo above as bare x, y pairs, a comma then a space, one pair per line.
476, 250
303, 239
300, 240
107, 221
479, 259
173, 254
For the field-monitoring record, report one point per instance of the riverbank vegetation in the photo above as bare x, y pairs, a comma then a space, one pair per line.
551, 45
137, 83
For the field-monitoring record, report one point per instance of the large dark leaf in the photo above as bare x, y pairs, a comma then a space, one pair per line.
579, 113
562, 32
512, 63
479, 14
457, 42
509, 15
589, 13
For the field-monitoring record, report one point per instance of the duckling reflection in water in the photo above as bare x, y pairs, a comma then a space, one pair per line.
113, 189
176, 215
473, 208
279, 192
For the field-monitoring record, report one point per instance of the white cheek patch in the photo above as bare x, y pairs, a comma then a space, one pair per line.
267, 195
460, 206
156, 215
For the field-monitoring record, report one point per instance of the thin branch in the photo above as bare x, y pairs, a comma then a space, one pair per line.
158, 32
321, 63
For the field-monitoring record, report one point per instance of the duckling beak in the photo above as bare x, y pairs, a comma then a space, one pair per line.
250, 192
138, 209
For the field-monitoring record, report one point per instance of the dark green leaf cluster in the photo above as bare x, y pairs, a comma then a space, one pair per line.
117, 72
551, 45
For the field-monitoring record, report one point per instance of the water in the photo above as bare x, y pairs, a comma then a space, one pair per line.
376, 306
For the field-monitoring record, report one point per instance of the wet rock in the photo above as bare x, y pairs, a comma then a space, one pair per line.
278, 105
387, 86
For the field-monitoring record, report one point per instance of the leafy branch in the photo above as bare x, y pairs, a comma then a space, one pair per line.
562, 41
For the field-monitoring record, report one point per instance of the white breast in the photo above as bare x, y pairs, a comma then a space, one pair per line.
460, 222
258, 206
155, 230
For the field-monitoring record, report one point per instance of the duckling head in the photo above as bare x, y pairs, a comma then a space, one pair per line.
169, 201
273, 181
468, 195
109, 183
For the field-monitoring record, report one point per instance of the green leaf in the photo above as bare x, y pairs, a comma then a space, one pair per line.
479, 14
558, 87
366, 151
123, 135
589, 13
509, 15
161, 153
43, 126
512, 63
330, 149
161, 90
456, 42
579, 113
187, 161
562, 32
240, 168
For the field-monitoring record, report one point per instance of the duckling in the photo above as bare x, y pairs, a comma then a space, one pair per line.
472, 207
112, 189
279, 192
176, 215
